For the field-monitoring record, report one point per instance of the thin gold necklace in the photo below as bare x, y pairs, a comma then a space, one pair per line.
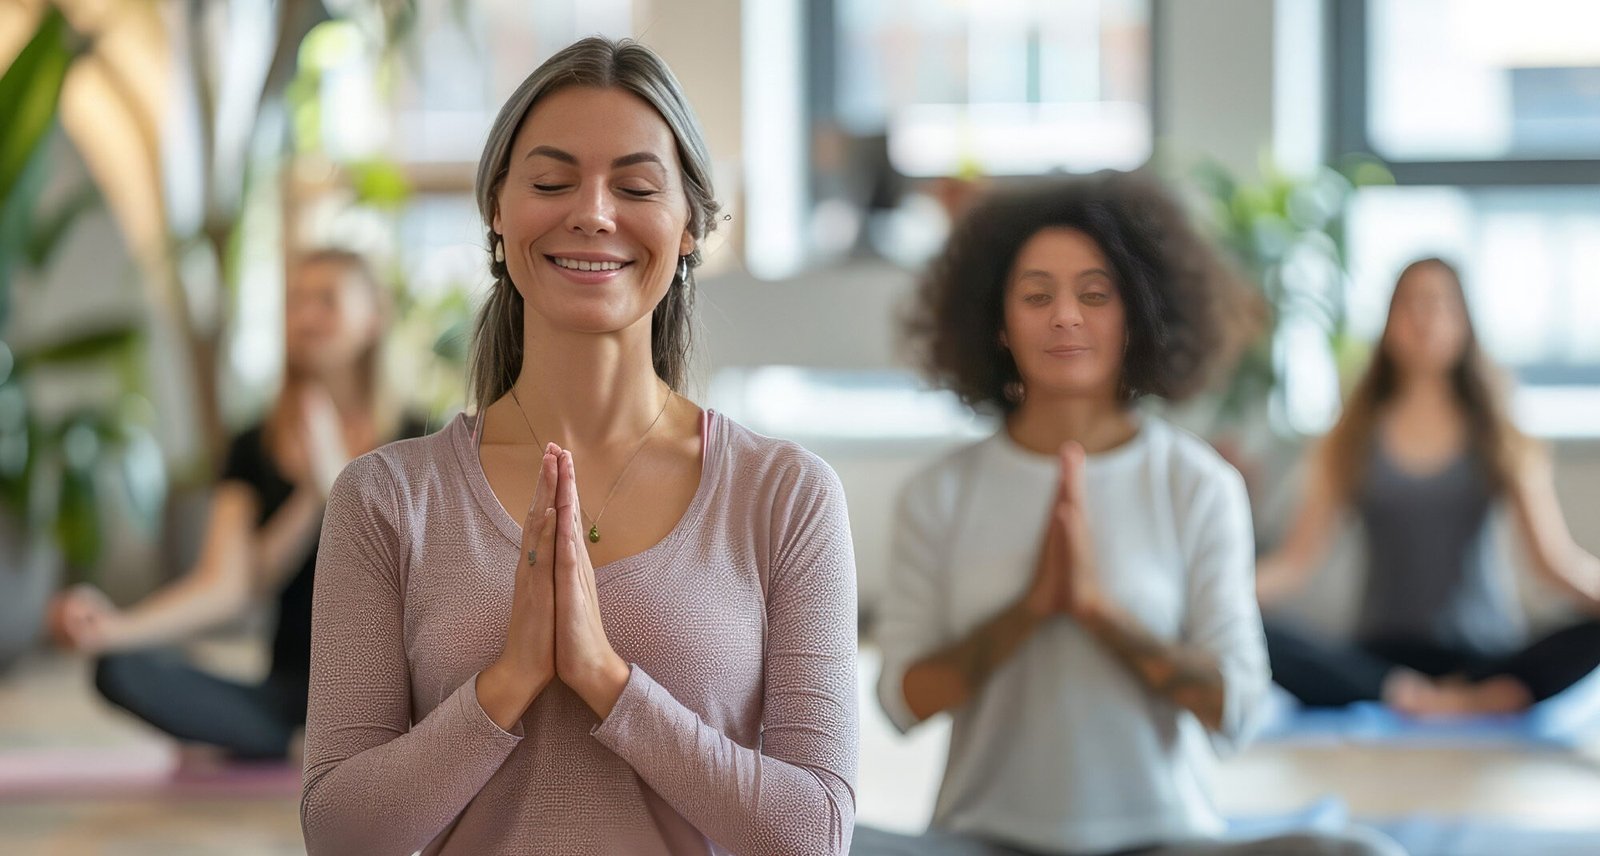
594, 522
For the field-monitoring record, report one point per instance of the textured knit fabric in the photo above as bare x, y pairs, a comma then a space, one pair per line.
1432, 578
736, 732
1065, 750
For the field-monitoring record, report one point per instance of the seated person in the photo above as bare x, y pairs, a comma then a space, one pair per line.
261, 536
1423, 450
1076, 590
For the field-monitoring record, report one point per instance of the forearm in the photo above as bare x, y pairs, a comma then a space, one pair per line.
370, 789
187, 606
283, 543
1580, 577
1190, 679
790, 795
951, 677
506, 695
1277, 578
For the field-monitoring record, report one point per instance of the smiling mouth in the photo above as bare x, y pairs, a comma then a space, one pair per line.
584, 265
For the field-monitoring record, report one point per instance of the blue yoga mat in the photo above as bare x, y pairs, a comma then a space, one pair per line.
1446, 836
1570, 718
1427, 835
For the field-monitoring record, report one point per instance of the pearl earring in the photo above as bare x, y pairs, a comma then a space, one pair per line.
499, 251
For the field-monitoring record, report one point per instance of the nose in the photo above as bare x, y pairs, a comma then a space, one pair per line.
593, 212
1067, 314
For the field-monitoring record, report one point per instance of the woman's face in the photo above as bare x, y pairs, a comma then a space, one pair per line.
331, 317
1427, 329
1065, 323
593, 210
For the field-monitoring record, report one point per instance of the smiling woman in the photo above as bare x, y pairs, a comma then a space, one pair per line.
1076, 590
679, 681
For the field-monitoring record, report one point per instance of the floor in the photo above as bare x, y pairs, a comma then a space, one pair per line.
46, 704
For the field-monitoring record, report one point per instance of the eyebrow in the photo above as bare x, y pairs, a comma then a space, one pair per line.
566, 157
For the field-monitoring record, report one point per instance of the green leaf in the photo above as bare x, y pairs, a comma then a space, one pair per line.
111, 344
30, 91
380, 183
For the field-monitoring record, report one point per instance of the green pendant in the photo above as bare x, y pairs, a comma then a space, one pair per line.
594, 534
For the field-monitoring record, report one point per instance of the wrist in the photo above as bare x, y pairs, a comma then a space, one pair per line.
605, 686
509, 689
1095, 615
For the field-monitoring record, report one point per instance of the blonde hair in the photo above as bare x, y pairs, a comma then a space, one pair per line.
377, 397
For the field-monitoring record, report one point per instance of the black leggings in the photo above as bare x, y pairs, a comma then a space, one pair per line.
249, 721
1322, 673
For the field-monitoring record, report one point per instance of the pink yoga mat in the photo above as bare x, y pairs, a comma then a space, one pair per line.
136, 771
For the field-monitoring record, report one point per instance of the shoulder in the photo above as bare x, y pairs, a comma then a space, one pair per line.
399, 470
756, 460
934, 487
1194, 468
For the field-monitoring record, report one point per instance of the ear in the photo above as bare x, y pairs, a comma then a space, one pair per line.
1004, 341
686, 243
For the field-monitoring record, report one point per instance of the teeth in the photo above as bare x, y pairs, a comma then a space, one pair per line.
579, 264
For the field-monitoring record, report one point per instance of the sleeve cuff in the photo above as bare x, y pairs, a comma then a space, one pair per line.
474, 715
613, 730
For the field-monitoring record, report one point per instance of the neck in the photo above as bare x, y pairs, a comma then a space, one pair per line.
587, 390
1043, 424
1425, 389
346, 388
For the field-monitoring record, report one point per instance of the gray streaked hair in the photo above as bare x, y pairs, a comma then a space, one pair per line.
496, 354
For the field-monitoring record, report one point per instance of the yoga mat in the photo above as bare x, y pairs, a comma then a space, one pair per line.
1570, 718
1448, 836
136, 771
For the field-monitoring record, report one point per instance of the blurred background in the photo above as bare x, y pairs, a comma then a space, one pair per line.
161, 159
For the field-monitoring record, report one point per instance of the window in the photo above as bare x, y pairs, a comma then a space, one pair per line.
1005, 87
1488, 115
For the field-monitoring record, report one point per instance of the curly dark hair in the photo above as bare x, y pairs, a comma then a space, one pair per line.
1173, 284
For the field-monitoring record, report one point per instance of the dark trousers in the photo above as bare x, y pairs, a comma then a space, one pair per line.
249, 721
1325, 673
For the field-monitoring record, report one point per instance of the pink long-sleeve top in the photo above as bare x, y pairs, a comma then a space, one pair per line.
735, 734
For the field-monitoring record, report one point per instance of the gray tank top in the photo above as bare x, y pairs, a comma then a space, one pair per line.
1431, 570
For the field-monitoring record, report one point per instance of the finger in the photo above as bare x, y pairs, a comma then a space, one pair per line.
547, 540
1072, 466
533, 521
566, 489
565, 486
577, 501
544, 489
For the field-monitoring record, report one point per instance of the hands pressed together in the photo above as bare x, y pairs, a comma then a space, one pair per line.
556, 631
1065, 581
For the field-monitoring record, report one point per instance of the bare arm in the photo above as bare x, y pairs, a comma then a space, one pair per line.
214, 590
287, 538
1190, 678
949, 678
1284, 571
1556, 556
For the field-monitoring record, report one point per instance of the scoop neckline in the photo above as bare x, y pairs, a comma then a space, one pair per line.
711, 465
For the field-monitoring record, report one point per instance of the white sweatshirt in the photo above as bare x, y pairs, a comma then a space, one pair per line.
1065, 749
